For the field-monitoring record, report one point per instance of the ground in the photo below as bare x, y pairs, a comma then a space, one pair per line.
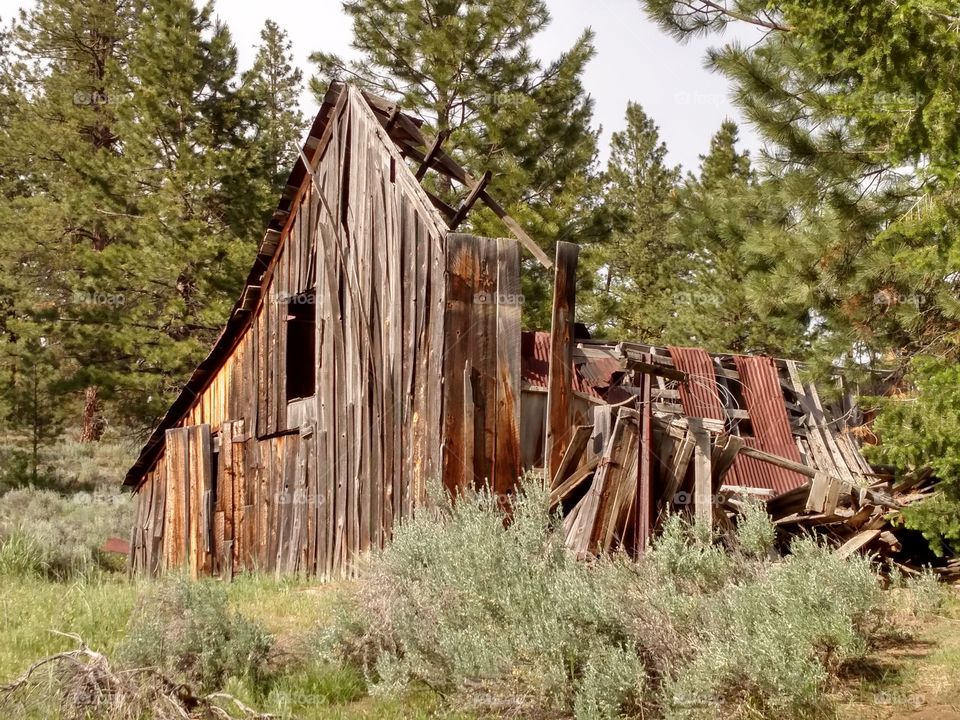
913, 678
910, 678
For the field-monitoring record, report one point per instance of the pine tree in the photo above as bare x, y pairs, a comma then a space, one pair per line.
61, 141
634, 272
133, 149
862, 154
273, 88
187, 131
33, 400
468, 68
716, 216
856, 101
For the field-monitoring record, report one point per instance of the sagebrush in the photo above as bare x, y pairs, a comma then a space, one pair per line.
188, 630
46, 533
499, 615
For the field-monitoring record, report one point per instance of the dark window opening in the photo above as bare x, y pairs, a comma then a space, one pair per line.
301, 345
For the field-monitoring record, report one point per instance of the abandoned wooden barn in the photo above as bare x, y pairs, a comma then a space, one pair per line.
375, 349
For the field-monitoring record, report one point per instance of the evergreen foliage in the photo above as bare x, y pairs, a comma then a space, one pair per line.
634, 269
146, 170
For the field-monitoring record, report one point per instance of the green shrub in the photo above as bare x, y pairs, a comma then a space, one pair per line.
65, 532
501, 615
22, 555
768, 647
465, 603
187, 629
757, 536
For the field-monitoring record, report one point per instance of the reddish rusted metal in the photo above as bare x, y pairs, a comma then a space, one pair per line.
699, 395
592, 376
771, 427
764, 401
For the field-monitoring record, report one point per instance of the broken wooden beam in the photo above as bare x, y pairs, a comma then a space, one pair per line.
470, 201
703, 476
435, 148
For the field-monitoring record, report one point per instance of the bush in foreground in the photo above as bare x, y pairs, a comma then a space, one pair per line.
501, 616
188, 631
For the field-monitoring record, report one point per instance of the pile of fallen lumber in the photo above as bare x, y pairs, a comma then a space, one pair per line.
865, 519
680, 430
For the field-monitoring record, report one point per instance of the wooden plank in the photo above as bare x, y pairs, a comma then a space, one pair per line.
470, 200
858, 542
461, 262
616, 484
818, 492
677, 473
560, 380
643, 505
703, 477
604, 417
573, 454
562, 490
507, 460
724, 455
481, 339
435, 148
469, 427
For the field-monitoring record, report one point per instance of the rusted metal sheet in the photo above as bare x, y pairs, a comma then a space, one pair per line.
771, 428
591, 375
699, 395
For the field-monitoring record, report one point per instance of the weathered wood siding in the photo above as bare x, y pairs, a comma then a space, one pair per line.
314, 496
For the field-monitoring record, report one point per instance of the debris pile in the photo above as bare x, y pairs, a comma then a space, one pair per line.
682, 430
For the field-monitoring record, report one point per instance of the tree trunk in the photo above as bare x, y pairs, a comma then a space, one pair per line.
93, 422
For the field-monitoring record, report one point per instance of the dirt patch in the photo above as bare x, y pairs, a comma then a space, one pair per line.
909, 678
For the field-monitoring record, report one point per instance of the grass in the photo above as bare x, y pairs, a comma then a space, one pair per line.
910, 676
34, 611
915, 673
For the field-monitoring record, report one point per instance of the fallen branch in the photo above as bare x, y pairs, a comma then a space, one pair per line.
86, 684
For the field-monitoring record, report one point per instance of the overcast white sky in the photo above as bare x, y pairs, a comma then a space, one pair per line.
635, 61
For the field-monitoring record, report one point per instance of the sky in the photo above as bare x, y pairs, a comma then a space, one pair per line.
635, 61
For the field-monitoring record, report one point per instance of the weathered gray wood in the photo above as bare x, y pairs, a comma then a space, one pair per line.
507, 458
560, 381
703, 477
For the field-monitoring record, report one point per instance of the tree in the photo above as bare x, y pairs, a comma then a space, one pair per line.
273, 87
30, 391
133, 153
61, 145
634, 272
862, 155
468, 68
716, 216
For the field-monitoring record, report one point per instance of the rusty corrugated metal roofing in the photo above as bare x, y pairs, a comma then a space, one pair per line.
771, 426
765, 405
699, 396
591, 376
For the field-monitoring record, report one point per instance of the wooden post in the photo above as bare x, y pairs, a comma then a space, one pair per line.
703, 477
643, 500
560, 382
